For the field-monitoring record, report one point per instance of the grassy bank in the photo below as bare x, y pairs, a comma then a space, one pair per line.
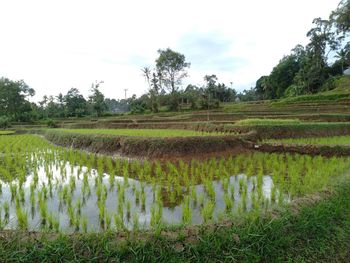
147, 147
314, 229
137, 132
6, 132
276, 131
336, 140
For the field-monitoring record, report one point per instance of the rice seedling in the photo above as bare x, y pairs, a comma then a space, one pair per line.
108, 221
135, 220
143, 201
228, 202
22, 218
7, 211
77, 223
43, 211
186, 211
232, 192
207, 211
57, 176
84, 224
128, 209
118, 222
72, 183
78, 206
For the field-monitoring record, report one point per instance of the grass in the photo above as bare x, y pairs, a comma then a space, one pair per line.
340, 92
336, 140
6, 132
137, 132
268, 122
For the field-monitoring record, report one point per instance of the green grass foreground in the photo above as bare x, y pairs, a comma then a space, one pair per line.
316, 229
138, 132
336, 140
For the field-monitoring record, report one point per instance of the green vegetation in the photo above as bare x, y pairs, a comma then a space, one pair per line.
307, 69
73, 178
137, 132
314, 230
6, 132
336, 140
267, 122
4, 122
268, 130
73, 203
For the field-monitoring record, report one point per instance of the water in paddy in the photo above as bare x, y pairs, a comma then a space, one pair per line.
132, 201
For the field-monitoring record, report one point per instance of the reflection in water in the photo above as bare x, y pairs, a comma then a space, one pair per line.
77, 198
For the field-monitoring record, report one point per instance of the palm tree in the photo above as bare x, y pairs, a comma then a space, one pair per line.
147, 74
342, 55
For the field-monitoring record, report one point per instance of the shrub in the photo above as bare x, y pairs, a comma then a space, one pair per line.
51, 123
4, 122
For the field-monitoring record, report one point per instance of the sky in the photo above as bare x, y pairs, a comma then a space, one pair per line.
56, 45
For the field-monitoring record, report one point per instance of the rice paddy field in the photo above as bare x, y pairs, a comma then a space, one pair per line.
55, 189
6, 132
138, 132
61, 204
336, 140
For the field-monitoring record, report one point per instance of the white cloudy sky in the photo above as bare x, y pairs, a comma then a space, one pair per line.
56, 45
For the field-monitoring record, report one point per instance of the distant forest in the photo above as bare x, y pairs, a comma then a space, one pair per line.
306, 70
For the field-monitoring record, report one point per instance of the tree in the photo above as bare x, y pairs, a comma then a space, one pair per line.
97, 100
61, 106
172, 67
43, 105
192, 95
283, 74
260, 87
13, 98
341, 17
154, 92
342, 55
146, 71
154, 85
75, 103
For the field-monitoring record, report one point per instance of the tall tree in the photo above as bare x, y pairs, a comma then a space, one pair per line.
172, 67
341, 17
97, 100
146, 72
75, 103
61, 106
342, 56
13, 98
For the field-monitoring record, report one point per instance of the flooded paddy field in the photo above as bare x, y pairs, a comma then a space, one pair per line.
49, 188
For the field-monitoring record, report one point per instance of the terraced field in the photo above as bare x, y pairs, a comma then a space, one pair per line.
336, 140
138, 132
50, 188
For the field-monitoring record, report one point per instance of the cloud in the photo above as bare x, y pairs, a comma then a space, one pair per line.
57, 45
210, 51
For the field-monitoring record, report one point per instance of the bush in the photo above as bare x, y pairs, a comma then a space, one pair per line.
294, 90
4, 122
51, 123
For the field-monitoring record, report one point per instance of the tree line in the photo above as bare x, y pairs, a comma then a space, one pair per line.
164, 91
307, 69
15, 105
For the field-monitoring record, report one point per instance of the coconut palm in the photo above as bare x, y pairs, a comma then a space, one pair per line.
342, 55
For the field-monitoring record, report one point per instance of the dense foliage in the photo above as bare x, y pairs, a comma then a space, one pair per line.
310, 69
